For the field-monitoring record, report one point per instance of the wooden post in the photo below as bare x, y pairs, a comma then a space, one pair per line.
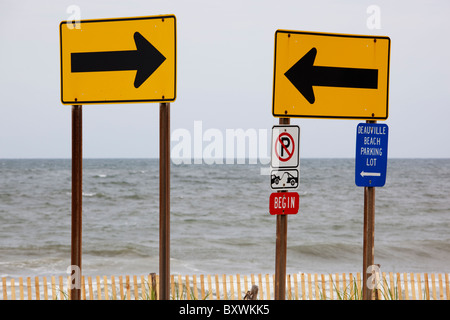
369, 235
253, 294
281, 249
153, 293
164, 201
77, 193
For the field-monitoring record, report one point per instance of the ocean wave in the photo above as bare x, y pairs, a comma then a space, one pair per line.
120, 251
414, 249
327, 250
99, 195
138, 172
88, 194
118, 183
136, 197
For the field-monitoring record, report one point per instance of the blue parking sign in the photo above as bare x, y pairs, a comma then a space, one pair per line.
371, 154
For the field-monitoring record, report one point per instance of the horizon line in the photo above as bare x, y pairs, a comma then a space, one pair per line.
193, 159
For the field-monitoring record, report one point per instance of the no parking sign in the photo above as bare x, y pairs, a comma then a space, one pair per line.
285, 147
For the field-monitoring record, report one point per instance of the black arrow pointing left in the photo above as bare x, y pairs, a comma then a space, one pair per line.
145, 60
304, 75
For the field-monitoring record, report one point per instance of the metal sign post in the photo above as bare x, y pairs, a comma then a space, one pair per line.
281, 248
77, 169
369, 237
164, 201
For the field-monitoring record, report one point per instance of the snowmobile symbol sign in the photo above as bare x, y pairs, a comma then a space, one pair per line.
284, 179
285, 146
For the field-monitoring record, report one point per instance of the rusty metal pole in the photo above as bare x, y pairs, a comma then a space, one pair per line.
369, 235
364, 291
164, 201
281, 249
77, 169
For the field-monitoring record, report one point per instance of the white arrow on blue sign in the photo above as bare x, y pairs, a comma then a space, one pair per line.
371, 154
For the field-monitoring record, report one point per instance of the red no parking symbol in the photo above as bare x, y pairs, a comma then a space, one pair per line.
284, 147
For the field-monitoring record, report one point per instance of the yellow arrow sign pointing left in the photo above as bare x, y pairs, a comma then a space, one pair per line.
330, 75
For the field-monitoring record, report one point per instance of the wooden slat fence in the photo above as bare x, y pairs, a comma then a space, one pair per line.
338, 286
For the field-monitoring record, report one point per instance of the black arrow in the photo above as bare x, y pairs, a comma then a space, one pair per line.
304, 75
145, 60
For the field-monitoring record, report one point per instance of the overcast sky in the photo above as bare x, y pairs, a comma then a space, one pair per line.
225, 75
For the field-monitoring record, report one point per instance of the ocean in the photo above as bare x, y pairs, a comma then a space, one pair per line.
220, 221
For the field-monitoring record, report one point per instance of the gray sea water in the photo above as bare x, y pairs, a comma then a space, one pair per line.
220, 222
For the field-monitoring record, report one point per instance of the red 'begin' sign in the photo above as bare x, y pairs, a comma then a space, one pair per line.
284, 203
